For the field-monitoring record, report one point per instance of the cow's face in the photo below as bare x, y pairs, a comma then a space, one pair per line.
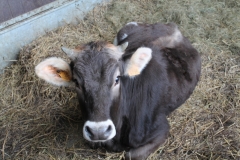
96, 75
95, 71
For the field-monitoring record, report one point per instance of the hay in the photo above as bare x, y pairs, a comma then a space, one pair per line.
39, 121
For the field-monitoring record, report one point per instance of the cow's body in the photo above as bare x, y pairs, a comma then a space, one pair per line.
126, 97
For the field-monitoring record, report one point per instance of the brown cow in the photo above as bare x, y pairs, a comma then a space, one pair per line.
127, 91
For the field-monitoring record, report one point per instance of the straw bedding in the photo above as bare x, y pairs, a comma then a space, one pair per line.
40, 121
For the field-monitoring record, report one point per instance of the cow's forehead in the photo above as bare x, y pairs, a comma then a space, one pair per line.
95, 65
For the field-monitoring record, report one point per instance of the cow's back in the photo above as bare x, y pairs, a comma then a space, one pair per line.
173, 71
164, 85
142, 34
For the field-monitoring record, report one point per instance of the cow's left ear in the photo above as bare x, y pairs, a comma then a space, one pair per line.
138, 61
55, 71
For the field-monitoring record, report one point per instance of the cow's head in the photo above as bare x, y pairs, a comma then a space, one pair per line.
95, 70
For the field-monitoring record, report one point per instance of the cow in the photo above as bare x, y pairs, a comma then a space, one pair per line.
127, 90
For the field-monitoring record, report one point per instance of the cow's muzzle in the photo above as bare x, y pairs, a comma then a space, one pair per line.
99, 131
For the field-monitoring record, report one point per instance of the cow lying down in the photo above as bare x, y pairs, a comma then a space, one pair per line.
127, 90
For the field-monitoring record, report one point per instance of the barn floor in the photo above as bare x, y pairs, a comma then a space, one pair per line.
39, 121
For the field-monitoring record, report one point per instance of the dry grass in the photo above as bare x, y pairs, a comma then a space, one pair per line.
39, 121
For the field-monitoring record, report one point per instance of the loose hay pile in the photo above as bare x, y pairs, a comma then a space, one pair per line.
39, 121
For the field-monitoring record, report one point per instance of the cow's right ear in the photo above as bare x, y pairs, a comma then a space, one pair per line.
138, 61
55, 71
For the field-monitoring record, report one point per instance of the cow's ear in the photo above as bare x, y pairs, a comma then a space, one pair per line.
138, 61
55, 71
71, 53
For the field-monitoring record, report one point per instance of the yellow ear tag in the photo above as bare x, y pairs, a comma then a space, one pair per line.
133, 70
64, 75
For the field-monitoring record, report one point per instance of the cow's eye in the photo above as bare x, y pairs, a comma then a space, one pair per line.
117, 80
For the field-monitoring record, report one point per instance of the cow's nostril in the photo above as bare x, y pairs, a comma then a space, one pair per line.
109, 129
89, 131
